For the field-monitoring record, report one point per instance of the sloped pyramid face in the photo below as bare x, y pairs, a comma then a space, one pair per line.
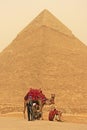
44, 55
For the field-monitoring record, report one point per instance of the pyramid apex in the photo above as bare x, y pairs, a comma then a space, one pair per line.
46, 18
46, 14
45, 11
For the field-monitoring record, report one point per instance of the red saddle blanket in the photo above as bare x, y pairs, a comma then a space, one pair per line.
35, 94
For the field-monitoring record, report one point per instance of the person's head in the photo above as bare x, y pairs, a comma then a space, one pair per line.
30, 97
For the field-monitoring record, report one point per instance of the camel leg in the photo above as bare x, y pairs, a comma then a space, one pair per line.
41, 109
25, 105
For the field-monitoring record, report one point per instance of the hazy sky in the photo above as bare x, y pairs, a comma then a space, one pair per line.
17, 14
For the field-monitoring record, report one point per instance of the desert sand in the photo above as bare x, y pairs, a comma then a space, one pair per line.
14, 123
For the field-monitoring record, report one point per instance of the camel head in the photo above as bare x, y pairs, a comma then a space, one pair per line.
52, 98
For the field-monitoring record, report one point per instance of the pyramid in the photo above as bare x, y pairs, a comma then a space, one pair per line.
47, 55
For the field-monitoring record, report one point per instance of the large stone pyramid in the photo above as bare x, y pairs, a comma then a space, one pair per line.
44, 55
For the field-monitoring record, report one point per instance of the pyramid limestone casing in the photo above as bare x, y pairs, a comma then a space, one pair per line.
45, 55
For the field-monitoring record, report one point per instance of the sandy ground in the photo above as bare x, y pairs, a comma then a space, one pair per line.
16, 121
7, 123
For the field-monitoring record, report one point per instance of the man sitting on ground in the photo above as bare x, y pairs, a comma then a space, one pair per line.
54, 114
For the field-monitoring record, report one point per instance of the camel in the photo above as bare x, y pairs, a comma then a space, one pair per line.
47, 101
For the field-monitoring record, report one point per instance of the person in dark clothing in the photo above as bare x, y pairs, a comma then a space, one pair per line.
28, 103
29, 109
